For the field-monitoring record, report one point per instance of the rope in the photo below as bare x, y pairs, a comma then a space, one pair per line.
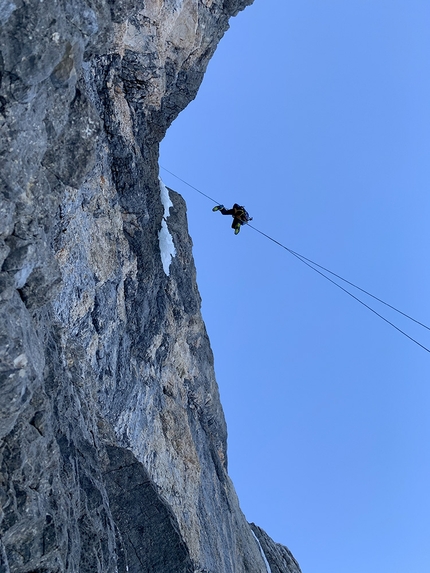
303, 260
309, 263
298, 255
192, 186
356, 286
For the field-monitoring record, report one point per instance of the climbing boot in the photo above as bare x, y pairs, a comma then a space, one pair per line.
237, 230
218, 208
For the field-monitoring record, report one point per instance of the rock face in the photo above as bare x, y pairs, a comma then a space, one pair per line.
279, 558
113, 440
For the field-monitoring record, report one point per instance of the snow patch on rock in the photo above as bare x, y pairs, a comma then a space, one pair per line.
167, 247
263, 555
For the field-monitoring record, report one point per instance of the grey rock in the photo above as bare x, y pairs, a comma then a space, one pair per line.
7, 216
113, 451
21, 259
6, 9
71, 155
4, 251
7, 286
21, 360
279, 557
157, 544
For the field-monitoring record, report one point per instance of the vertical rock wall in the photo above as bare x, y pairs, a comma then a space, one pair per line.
113, 440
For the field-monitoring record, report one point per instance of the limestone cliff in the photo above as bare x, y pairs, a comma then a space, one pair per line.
113, 440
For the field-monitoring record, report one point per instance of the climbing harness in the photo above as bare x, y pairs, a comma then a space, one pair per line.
312, 265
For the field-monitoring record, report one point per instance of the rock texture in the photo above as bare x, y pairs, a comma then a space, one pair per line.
113, 440
279, 558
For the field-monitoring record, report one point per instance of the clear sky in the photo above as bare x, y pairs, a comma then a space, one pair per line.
315, 114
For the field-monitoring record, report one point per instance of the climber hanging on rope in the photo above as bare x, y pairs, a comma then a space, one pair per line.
238, 212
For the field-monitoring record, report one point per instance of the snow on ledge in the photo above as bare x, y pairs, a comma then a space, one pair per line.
263, 555
165, 239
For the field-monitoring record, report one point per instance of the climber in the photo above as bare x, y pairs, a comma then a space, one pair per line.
238, 212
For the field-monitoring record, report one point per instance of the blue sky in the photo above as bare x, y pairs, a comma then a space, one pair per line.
316, 116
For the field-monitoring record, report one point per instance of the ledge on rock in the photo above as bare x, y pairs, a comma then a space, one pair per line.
280, 558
